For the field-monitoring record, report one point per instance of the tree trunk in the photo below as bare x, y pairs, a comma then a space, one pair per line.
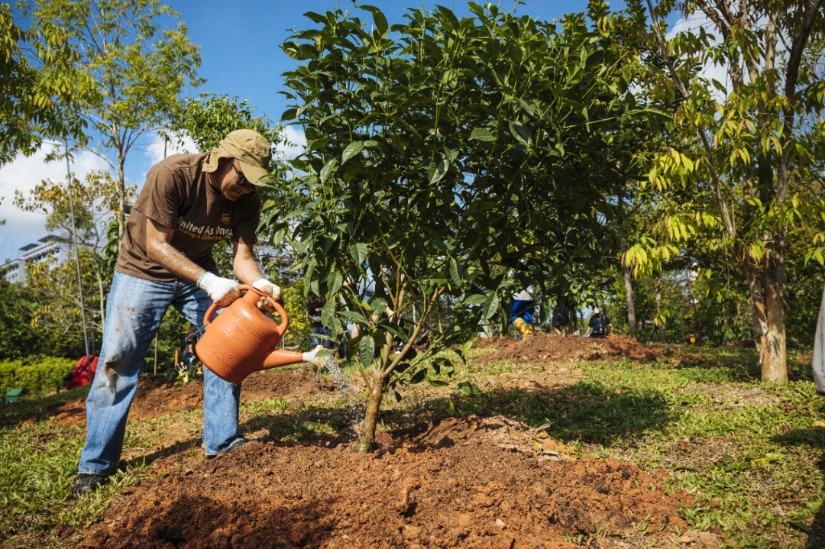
574, 321
121, 202
628, 286
774, 366
367, 436
658, 287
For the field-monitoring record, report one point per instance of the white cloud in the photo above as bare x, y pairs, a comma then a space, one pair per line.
155, 149
297, 142
712, 71
23, 174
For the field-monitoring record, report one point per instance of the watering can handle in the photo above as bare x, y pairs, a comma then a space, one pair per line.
207, 318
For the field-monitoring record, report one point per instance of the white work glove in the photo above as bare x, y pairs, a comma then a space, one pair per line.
317, 319
222, 290
269, 289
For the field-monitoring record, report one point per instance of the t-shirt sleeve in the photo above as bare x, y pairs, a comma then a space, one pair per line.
593, 322
245, 230
160, 197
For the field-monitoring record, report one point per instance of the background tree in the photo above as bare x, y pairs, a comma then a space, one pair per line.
746, 144
95, 200
140, 70
41, 87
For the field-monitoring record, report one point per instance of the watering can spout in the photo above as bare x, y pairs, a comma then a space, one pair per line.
281, 357
240, 340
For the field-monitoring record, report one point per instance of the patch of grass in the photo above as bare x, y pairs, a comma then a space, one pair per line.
39, 463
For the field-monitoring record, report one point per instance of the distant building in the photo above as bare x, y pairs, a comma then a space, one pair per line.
45, 248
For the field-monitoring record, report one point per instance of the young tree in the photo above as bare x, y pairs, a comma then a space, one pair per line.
139, 68
440, 154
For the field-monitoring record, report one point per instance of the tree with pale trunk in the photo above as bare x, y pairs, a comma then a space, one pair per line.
139, 67
742, 140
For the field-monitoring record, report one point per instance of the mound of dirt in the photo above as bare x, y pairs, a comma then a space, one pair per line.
155, 399
441, 485
491, 342
545, 348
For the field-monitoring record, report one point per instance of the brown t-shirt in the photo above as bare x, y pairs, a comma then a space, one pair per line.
178, 194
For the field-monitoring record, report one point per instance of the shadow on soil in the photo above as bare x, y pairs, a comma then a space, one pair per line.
587, 411
815, 440
12, 415
728, 365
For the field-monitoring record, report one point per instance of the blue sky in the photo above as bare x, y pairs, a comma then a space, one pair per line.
240, 57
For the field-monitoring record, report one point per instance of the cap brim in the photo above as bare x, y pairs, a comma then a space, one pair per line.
254, 174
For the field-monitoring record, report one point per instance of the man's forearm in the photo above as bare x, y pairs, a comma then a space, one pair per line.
247, 271
175, 261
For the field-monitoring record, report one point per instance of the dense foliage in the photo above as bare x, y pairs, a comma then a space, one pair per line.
37, 374
444, 155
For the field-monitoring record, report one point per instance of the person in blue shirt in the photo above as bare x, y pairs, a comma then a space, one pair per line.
599, 323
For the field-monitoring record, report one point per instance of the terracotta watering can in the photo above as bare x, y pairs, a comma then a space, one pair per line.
242, 339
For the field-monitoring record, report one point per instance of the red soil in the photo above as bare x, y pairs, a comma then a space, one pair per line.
545, 348
155, 399
446, 484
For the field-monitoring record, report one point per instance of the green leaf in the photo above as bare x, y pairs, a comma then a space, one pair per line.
366, 351
437, 383
528, 106
328, 169
456, 272
475, 299
490, 307
335, 284
352, 149
397, 396
521, 132
377, 17
289, 114
419, 376
358, 251
437, 170
482, 134
802, 526
469, 388
328, 314
378, 305
358, 318
450, 409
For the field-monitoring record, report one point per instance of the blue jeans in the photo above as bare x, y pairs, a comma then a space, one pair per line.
133, 313
327, 343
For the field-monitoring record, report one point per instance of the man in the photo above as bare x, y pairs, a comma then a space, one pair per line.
523, 309
598, 323
188, 204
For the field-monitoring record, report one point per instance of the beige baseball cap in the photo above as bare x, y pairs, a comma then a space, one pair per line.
250, 149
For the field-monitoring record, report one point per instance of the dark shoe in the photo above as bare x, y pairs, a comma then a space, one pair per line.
86, 483
235, 446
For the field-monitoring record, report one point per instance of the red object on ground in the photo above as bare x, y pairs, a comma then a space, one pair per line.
82, 374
